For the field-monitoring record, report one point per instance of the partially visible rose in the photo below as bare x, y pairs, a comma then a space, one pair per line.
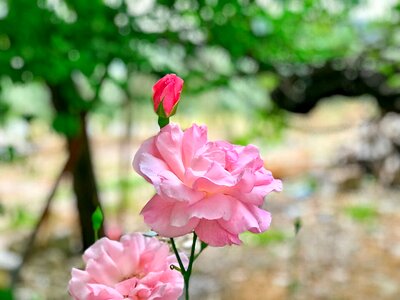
213, 188
166, 94
136, 267
113, 231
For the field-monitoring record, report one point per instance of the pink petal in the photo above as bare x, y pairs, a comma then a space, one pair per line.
77, 285
126, 286
102, 292
212, 233
274, 185
169, 145
263, 218
178, 86
147, 162
102, 273
218, 206
179, 214
169, 98
172, 187
215, 180
102, 247
108, 252
166, 183
264, 177
249, 157
255, 197
156, 261
246, 217
207, 155
246, 181
158, 90
151, 167
134, 245
194, 138
157, 214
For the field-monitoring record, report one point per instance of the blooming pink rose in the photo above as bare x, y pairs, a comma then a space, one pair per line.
136, 267
214, 188
167, 92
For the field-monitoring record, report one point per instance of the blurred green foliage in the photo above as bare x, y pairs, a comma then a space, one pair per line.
362, 213
7, 154
271, 236
121, 183
6, 294
21, 217
84, 45
89, 50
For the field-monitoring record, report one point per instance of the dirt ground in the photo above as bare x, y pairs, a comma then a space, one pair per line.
347, 247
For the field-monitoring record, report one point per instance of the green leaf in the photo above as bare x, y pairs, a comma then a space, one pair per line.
97, 221
203, 246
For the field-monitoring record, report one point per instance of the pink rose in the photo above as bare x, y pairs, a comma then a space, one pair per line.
166, 92
136, 267
214, 188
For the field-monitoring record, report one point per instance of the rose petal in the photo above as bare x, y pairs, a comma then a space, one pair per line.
102, 292
77, 285
212, 233
157, 213
172, 187
169, 145
214, 207
194, 138
246, 217
216, 180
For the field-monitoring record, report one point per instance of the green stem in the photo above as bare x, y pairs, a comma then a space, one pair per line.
203, 246
193, 256
163, 122
188, 272
183, 271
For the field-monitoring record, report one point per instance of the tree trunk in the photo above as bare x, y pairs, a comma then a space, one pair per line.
81, 169
84, 184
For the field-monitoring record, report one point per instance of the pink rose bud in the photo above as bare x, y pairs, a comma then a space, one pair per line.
166, 94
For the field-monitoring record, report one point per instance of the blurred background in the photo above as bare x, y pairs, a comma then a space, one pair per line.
314, 83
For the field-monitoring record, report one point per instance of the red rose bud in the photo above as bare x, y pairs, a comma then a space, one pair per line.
166, 94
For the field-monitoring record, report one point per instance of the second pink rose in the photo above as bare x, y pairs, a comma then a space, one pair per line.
213, 188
